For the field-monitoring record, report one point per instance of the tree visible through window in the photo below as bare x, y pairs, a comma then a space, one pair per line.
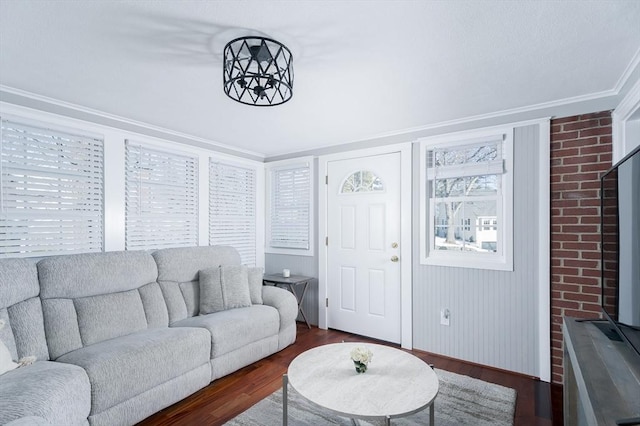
465, 192
361, 181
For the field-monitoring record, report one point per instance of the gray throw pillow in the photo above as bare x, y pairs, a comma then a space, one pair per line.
255, 285
226, 287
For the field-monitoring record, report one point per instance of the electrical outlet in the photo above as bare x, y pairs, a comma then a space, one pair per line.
445, 316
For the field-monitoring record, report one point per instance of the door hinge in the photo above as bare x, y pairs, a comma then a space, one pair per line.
326, 302
326, 180
326, 241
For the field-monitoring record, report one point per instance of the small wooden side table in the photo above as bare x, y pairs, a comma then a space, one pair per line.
291, 282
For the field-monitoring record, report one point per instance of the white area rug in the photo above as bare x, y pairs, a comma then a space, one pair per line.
461, 400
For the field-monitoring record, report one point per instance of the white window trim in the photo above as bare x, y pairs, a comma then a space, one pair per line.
276, 165
501, 261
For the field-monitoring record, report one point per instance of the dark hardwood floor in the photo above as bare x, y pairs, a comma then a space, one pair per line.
538, 403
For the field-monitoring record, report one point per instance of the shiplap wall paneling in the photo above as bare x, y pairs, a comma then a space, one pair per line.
493, 313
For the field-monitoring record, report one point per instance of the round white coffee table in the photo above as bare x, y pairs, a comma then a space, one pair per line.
396, 384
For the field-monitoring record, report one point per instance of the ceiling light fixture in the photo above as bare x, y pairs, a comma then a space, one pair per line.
258, 71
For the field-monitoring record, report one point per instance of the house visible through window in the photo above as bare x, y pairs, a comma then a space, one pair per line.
51, 191
467, 201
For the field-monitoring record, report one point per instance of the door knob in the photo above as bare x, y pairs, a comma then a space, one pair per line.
394, 258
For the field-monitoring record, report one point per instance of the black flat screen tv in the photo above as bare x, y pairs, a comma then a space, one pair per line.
620, 245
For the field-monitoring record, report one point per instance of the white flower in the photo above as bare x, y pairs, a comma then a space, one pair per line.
361, 354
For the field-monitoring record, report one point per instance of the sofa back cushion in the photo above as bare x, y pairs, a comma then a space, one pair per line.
178, 275
89, 298
21, 310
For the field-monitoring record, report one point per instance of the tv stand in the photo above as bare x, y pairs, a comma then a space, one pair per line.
601, 378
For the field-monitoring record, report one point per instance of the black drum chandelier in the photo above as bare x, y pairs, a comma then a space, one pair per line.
258, 71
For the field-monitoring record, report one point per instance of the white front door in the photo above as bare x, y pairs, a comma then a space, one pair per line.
363, 254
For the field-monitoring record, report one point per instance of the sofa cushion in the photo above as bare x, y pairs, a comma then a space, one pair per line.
226, 287
21, 309
59, 393
122, 368
92, 297
178, 275
20, 281
235, 328
109, 315
91, 274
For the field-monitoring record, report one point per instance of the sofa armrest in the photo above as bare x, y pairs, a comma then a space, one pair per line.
283, 301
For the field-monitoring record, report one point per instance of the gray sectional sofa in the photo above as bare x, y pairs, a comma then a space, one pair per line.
118, 335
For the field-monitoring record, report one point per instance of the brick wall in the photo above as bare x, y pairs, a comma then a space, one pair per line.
580, 153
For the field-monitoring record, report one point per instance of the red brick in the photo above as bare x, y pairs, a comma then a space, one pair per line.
565, 203
592, 149
605, 139
578, 195
581, 211
580, 263
566, 237
564, 120
590, 219
580, 177
594, 308
581, 245
566, 271
594, 167
581, 297
599, 114
591, 273
581, 159
580, 280
564, 186
590, 202
591, 254
583, 141
567, 304
578, 143
560, 220
565, 254
597, 131
579, 229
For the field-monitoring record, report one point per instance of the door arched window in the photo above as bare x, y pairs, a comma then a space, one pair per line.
361, 181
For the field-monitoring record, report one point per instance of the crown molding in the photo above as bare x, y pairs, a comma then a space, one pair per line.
72, 110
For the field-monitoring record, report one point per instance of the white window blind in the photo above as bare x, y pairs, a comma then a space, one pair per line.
161, 198
232, 208
290, 207
51, 195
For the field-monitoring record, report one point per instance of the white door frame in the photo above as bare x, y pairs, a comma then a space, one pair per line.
405, 234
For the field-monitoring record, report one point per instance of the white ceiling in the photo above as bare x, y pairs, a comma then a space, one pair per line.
363, 69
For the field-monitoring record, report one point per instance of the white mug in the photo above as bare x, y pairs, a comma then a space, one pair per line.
286, 273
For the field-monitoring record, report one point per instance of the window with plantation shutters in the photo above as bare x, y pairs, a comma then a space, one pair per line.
232, 208
290, 207
51, 194
161, 198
